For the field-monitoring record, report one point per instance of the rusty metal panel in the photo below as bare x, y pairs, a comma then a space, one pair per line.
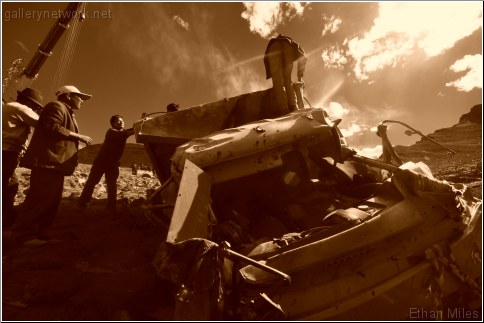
247, 165
191, 214
391, 221
253, 138
198, 121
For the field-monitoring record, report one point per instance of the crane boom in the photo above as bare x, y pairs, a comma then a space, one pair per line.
29, 74
52, 38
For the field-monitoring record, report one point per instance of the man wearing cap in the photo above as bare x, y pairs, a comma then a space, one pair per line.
17, 118
52, 154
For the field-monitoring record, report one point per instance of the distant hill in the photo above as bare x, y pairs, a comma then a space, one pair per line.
465, 138
474, 116
133, 154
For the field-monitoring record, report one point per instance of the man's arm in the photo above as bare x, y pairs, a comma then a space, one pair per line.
28, 116
114, 134
52, 120
85, 139
129, 132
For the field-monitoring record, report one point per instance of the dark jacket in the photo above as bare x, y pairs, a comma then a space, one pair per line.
298, 54
113, 146
51, 146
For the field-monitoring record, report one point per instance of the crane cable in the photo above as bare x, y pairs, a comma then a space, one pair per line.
68, 51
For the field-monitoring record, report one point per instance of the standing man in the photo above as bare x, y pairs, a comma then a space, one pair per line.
281, 53
51, 156
107, 163
17, 118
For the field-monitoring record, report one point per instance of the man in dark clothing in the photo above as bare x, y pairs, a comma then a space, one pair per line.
107, 163
281, 53
172, 107
17, 119
52, 155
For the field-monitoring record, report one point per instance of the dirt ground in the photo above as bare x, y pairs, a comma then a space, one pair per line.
101, 268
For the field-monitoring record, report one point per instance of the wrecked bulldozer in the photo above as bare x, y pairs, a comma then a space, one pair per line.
276, 218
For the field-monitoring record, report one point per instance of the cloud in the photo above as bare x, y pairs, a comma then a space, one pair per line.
242, 81
265, 17
353, 129
185, 25
331, 24
334, 57
336, 110
404, 27
370, 152
170, 54
359, 122
472, 64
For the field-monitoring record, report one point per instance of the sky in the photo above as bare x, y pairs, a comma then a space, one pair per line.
415, 62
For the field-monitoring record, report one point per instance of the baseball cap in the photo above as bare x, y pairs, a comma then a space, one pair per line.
72, 89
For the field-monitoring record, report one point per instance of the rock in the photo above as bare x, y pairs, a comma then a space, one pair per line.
474, 116
465, 138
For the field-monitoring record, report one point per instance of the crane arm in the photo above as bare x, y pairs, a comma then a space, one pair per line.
52, 38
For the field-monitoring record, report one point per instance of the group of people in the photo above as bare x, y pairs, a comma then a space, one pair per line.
51, 155
52, 152
135, 167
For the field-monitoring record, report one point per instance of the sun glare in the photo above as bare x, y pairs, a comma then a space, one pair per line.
403, 27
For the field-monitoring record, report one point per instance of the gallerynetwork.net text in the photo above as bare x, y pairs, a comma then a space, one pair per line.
38, 15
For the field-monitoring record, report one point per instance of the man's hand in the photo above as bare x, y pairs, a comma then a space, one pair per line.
85, 139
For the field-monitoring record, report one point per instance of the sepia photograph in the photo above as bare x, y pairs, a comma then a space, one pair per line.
241, 161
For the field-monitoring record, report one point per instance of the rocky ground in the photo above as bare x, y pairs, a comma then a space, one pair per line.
102, 267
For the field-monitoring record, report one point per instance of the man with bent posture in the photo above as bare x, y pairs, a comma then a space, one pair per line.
17, 119
52, 155
107, 163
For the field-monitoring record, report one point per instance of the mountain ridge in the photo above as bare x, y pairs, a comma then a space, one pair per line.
465, 138
133, 154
